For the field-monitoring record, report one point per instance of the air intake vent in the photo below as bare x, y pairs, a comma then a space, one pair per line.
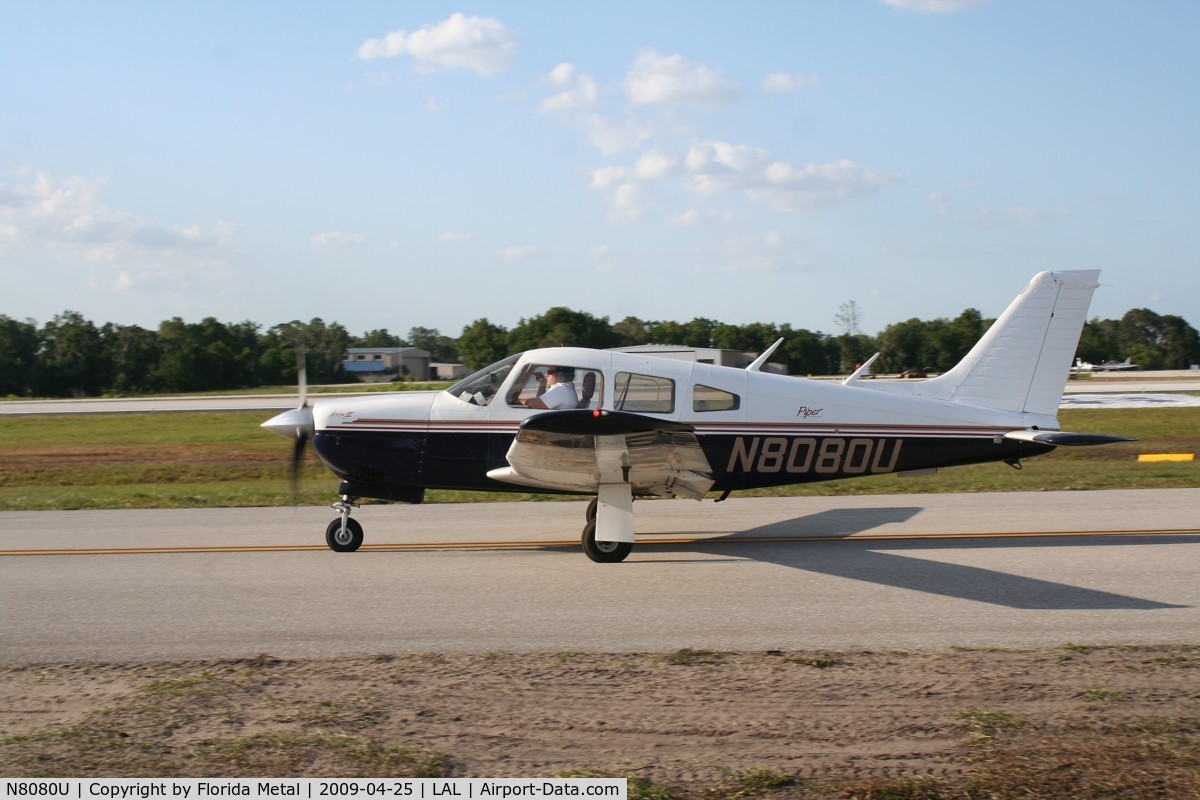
374, 474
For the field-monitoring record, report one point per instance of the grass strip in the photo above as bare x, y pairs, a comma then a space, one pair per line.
129, 461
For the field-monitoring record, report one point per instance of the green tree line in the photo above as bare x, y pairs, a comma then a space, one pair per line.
71, 356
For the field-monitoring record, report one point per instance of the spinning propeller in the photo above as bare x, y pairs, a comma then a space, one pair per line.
296, 424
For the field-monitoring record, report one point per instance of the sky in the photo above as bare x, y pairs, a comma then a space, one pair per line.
426, 164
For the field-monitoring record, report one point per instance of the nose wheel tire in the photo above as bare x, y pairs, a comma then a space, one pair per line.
603, 552
344, 541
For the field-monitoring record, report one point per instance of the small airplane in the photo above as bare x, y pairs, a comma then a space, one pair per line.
1086, 366
641, 425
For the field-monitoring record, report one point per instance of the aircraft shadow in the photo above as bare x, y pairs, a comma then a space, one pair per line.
862, 561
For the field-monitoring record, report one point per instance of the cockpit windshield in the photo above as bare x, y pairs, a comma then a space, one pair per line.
480, 388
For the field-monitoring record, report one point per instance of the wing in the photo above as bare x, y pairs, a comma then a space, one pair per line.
582, 450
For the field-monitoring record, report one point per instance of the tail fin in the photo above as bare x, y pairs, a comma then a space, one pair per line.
1022, 363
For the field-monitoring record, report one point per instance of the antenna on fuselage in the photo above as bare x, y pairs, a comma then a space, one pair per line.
757, 364
853, 377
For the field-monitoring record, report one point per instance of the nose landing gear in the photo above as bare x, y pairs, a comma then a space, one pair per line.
344, 535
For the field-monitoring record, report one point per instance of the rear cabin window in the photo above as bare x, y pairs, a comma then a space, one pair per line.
708, 398
634, 392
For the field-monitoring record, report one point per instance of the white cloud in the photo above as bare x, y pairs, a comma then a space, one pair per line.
522, 252
612, 137
67, 217
942, 203
481, 44
656, 164
818, 185
629, 197
723, 167
715, 167
959, 211
562, 76
688, 219
753, 255
693, 217
982, 216
782, 83
630, 200
673, 80
337, 239
608, 177
577, 89
934, 6
94, 248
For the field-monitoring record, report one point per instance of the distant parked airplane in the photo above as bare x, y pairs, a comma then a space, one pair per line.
1107, 366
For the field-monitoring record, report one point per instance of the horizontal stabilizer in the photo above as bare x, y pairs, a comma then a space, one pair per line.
1065, 439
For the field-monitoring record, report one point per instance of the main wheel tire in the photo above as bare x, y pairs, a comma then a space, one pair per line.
590, 514
344, 543
603, 552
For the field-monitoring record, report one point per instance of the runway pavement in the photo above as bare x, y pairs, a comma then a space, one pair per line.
891, 571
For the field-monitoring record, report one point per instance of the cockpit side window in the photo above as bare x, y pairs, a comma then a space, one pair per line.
557, 386
481, 387
709, 398
649, 393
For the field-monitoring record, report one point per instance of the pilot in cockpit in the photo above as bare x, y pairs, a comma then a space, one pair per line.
556, 389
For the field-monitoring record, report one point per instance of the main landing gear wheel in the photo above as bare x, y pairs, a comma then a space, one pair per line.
603, 552
590, 514
346, 541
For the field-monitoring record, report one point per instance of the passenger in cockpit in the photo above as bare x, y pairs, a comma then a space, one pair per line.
588, 390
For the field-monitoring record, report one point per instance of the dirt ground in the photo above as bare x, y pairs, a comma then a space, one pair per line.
1068, 721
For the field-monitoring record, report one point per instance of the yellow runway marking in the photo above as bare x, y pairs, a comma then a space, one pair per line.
644, 539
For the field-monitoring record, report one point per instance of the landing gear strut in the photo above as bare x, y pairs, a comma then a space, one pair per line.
344, 535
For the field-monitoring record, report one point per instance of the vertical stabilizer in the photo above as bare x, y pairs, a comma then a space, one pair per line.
1022, 363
